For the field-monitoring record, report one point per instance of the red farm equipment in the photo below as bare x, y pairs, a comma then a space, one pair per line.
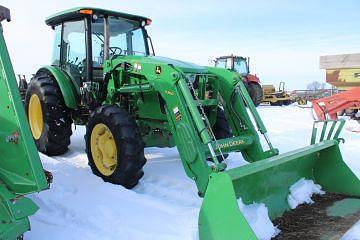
342, 72
333, 106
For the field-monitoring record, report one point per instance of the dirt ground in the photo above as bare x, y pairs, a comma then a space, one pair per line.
315, 221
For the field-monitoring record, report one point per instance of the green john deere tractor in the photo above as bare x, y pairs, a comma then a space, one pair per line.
105, 75
21, 171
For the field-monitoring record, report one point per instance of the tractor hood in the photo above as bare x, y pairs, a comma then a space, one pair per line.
184, 66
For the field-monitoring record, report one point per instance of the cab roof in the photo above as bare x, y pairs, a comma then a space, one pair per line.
75, 13
230, 56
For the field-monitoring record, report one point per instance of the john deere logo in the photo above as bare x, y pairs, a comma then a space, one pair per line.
168, 92
157, 69
230, 144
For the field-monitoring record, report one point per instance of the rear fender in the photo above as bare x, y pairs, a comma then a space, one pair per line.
68, 87
253, 78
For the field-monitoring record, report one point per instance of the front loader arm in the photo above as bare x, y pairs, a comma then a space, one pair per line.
188, 123
193, 136
236, 101
187, 127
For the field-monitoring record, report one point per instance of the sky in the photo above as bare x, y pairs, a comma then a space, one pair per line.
284, 39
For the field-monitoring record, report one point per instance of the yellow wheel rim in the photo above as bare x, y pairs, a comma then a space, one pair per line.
35, 116
103, 149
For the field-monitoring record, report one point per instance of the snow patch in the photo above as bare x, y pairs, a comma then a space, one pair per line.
352, 126
301, 192
353, 233
257, 216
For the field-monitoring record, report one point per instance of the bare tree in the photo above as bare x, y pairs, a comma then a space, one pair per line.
315, 86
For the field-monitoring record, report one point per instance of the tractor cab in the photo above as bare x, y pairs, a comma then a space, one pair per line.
86, 37
234, 63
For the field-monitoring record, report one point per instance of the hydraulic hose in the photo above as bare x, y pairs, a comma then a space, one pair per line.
232, 100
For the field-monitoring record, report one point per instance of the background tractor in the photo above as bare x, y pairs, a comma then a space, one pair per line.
241, 65
276, 97
104, 75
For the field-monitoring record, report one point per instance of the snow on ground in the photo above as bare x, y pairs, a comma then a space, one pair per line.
353, 125
257, 216
80, 206
165, 204
353, 233
301, 192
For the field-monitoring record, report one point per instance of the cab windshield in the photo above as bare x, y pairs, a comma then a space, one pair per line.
223, 63
126, 37
240, 66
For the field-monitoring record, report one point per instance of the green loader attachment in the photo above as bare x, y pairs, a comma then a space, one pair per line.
268, 181
268, 176
21, 171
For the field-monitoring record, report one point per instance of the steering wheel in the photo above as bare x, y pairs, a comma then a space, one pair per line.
115, 50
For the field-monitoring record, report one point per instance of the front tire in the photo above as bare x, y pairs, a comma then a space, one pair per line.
49, 118
114, 146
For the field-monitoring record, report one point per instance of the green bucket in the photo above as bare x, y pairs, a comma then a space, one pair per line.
268, 181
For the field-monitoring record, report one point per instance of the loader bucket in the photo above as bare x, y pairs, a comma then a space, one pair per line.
268, 181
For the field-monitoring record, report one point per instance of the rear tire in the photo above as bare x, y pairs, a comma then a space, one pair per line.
49, 118
256, 93
119, 158
221, 129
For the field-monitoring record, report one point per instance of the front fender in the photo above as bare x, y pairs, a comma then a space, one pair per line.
68, 87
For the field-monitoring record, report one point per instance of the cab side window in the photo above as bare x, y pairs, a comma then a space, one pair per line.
74, 49
57, 46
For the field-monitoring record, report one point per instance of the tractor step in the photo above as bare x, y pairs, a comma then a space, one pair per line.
328, 218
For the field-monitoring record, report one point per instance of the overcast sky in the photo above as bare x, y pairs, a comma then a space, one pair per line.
283, 38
